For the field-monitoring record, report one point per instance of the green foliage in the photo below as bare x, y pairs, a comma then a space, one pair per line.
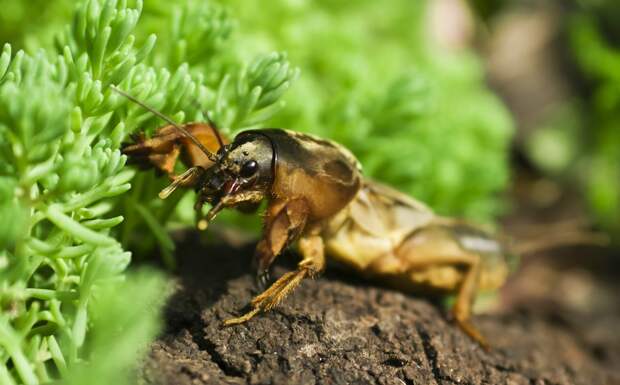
580, 141
135, 321
370, 75
600, 60
416, 117
487, 9
60, 166
62, 173
32, 23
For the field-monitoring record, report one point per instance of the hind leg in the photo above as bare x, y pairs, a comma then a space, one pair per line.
464, 299
466, 289
432, 248
465, 292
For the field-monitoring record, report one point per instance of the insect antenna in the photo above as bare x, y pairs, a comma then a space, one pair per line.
568, 238
191, 137
214, 128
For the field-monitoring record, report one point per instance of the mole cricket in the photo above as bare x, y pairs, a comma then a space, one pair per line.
319, 201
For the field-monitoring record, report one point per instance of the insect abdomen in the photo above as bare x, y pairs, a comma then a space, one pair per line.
400, 242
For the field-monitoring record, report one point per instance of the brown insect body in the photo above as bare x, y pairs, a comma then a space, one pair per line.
387, 235
318, 199
325, 175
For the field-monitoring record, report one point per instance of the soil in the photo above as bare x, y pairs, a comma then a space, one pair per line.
341, 330
555, 322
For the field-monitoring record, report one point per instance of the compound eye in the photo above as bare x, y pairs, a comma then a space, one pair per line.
248, 169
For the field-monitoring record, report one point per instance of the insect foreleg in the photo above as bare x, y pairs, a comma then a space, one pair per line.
242, 200
284, 222
166, 162
312, 263
243, 197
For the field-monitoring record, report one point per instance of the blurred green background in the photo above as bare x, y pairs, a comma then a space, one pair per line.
420, 91
556, 65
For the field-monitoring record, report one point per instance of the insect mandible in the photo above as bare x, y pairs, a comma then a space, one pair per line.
319, 201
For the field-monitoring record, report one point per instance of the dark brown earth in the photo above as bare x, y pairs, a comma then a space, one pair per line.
341, 330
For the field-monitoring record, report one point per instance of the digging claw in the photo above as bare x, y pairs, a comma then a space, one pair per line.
244, 318
473, 333
262, 279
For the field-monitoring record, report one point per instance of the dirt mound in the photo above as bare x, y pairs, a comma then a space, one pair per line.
341, 330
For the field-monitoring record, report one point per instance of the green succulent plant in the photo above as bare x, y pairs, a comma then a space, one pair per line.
64, 184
